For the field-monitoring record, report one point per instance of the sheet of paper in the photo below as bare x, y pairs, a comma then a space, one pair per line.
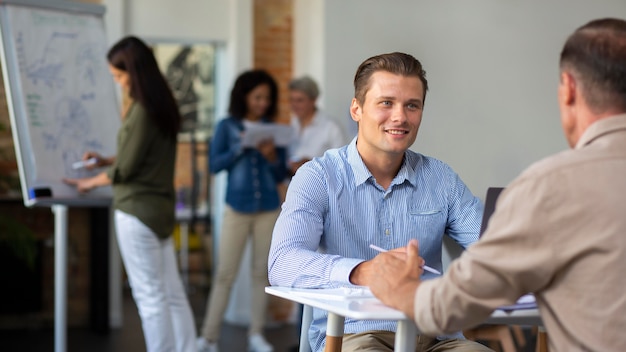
527, 301
339, 293
255, 132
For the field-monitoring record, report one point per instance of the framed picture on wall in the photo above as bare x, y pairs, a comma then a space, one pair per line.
190, 71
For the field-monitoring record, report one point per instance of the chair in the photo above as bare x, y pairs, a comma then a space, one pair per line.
542, 340
499, 334
307, 317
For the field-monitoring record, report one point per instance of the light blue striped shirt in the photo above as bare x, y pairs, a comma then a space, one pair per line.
334, 209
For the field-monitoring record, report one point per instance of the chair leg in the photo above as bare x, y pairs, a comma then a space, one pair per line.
519, 335
497, 333
542, 340
506, 339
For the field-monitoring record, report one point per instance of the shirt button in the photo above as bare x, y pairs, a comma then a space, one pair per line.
387, 232
255, 171
256, 183
257, 195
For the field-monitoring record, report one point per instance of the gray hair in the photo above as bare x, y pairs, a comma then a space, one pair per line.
305, 85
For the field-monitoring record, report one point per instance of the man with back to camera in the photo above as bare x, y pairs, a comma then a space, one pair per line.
372, 191
559, 229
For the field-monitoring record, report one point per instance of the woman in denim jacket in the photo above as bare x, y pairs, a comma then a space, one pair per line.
252, 202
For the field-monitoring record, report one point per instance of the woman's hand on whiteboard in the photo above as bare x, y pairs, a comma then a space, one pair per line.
84, 185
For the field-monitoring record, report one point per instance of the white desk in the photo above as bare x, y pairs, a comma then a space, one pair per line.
372, 308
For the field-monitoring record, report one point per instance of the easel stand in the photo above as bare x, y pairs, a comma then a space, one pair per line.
60, 277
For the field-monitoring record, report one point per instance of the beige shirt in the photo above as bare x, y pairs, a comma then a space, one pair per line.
559, 231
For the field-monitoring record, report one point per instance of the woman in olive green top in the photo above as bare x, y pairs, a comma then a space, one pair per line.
142, 176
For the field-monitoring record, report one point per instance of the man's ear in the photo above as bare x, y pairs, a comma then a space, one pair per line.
567, 89
355, 110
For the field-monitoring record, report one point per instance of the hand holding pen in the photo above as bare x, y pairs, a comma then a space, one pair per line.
397, 277
425, 267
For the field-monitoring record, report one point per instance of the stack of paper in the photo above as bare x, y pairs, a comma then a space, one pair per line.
336, 294
527, 301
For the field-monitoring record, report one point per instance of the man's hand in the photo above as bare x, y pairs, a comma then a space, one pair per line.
397, 279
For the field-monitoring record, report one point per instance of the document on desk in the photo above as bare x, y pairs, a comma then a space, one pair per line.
527, 301
335, 294
255, 132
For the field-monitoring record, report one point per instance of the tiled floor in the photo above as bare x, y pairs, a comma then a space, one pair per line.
130, 336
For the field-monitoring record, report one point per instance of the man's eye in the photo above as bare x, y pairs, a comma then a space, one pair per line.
413, 106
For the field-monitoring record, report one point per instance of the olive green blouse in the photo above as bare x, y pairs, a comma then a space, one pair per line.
143, 172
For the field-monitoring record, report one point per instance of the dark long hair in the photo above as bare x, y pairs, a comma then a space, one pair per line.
147, 84
245, 83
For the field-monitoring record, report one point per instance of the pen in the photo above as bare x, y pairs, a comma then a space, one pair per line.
84, 163
426, 267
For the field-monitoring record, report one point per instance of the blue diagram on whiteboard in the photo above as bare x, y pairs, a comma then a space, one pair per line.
68, 96
89, 62
47, 68
72, 136
62, 124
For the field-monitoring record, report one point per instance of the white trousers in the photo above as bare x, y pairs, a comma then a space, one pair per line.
150, 262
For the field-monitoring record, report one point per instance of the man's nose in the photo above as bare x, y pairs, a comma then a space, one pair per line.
398, 114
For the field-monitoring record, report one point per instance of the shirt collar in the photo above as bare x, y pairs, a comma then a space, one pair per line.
600, 128
407, 172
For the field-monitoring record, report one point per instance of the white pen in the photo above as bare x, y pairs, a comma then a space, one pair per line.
426, 267
84, 163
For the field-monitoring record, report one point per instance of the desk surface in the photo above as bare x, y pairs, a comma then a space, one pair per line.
371, 308
355, 308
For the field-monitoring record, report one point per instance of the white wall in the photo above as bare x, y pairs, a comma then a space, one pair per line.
492, 67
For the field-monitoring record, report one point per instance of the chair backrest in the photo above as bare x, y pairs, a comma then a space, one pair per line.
490, 206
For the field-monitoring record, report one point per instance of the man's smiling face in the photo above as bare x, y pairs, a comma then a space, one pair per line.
391, 114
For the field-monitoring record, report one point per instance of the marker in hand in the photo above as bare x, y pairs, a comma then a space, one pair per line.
426, 267
84, 163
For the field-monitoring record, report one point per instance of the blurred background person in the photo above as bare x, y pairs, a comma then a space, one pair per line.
142, 176
314, 131
252, 203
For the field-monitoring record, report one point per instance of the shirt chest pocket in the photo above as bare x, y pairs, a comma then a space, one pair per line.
427, 220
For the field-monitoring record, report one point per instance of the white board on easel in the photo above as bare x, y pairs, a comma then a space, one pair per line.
62, 99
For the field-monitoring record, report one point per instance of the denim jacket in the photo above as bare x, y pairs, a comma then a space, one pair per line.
252, 180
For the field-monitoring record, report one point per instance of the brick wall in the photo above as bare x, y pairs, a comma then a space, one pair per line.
273, 32
273, 51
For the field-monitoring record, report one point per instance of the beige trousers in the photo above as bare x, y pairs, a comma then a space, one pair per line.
237, 228
378, 341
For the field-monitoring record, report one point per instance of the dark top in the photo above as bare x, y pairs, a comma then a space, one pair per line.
143, 172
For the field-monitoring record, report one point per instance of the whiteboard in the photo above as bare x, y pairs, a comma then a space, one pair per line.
62, 99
